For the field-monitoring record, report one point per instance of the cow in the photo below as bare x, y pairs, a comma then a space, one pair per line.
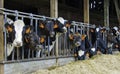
31, 42
99, 41
14, 31
113, 40
48, 29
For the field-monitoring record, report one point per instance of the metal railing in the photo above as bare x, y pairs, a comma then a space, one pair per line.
63, 48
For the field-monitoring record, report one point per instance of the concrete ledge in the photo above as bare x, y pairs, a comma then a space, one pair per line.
28, 67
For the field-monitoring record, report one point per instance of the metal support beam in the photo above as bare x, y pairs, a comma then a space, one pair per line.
86, 11
54, 14
106, 13
117, 10
1, 38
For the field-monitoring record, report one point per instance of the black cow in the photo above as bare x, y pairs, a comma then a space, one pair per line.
97, 40
31, 42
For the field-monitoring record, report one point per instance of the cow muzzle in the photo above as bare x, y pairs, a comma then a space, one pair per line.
52, 34
77, 44
18, 44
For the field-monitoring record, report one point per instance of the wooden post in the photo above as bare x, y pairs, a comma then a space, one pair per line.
86, 11
117, 10
86, 14
106, 13
54, 8
1, 38
54, 14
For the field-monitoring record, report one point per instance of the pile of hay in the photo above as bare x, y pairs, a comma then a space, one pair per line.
102, 64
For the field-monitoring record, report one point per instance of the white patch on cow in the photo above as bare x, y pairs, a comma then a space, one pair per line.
61, 20
38, 53
65, 29
72, 30
10, 48
93, 49
115, 28
109, 45
9, 21
51, 46
18, 26
97, 29
81, 53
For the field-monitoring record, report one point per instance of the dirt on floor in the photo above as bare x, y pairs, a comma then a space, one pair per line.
100, 64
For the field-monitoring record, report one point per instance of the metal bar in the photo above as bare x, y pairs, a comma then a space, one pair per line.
48, 46
13, 54
18, 53
23, 13
36, 25
23, 52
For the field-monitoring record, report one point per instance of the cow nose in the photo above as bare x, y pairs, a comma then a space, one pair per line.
77, 43
18, 44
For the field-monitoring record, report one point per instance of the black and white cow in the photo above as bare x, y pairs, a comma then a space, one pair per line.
14, 32
97, 40
48, 29
113, 40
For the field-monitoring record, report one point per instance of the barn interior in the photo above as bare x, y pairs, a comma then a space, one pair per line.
68, 9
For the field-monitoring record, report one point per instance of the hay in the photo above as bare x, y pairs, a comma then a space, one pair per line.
102, 64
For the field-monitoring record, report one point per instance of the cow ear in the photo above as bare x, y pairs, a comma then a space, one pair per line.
83, 37
42, 39
55, 26
9, 28
71, 36
41, 25
28, 30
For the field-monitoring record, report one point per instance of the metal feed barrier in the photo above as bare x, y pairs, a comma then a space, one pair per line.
31, 19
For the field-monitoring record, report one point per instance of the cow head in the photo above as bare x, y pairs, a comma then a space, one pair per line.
59, 25
115, 31
31, 39
76, 39
47, 27
14, 31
